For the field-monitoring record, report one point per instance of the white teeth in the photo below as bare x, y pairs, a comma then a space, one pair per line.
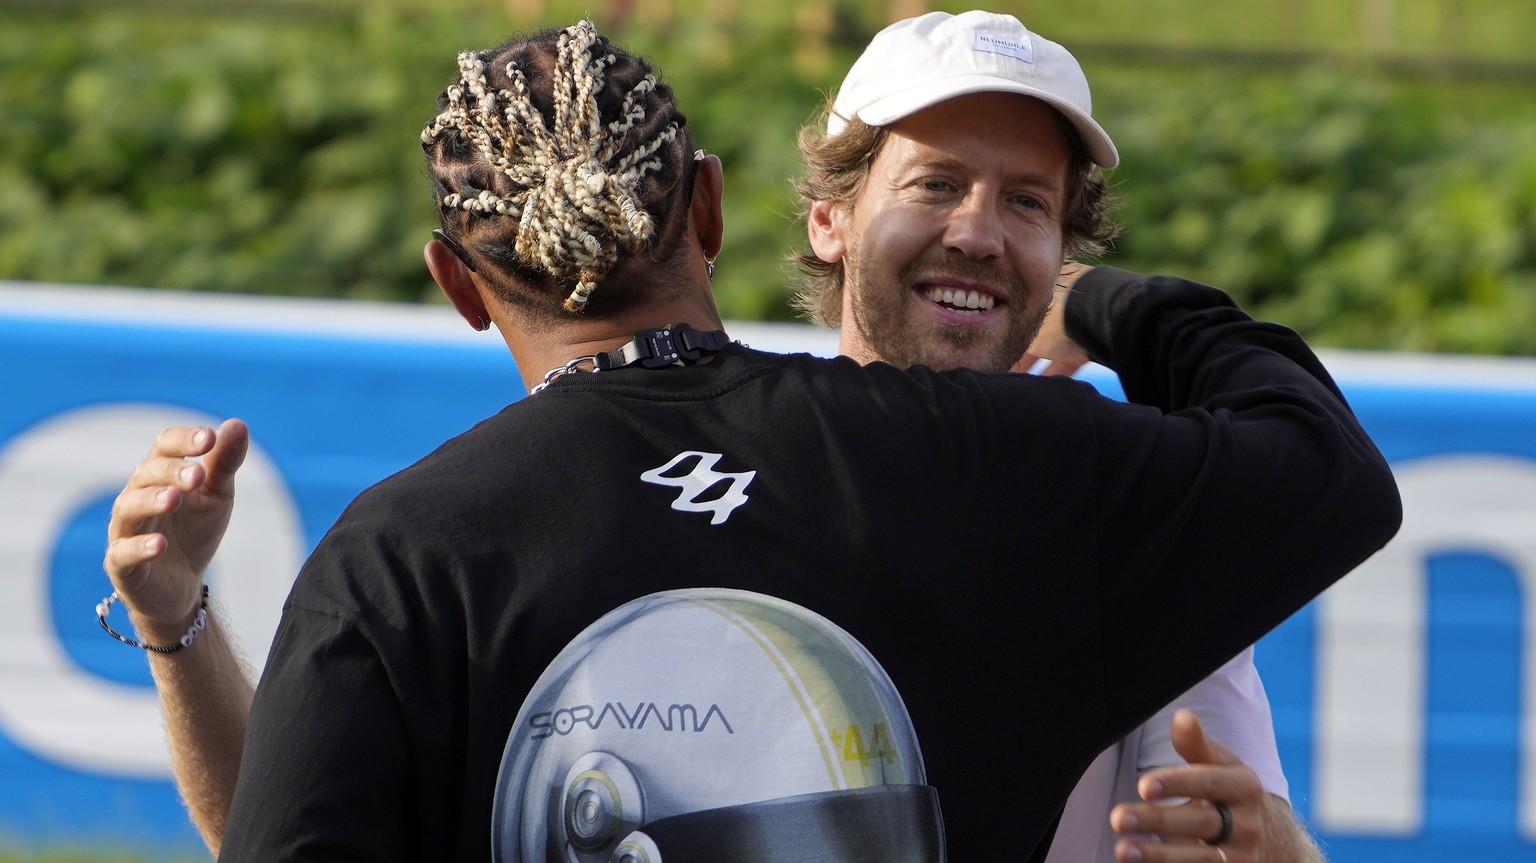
962, 301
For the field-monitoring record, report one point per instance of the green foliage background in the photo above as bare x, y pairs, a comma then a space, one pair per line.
1374, 188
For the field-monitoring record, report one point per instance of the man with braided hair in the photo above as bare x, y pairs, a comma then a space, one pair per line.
402, 697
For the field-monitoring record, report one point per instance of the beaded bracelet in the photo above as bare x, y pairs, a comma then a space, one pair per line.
105, 606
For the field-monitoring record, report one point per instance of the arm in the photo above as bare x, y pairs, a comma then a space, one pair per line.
1264, 828
330, 773
1235, 486
166, 524
333, 768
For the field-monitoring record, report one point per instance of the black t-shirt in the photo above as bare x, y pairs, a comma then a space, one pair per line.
1037, 568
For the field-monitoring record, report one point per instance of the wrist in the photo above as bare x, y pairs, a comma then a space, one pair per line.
163, 629
158, 637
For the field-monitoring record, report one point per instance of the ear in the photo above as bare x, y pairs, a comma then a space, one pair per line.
457, 282
826, 225
704, 211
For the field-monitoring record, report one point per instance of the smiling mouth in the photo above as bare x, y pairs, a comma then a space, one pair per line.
960, 302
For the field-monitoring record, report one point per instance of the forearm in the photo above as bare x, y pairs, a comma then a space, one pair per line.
205, 696
1286, 839
1176, 344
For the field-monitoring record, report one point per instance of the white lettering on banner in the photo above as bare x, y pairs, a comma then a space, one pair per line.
49, 705
1371, 704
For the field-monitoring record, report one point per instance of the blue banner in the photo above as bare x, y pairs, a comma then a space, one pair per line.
1403, 697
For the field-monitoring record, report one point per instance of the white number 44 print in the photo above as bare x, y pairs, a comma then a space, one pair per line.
701, 479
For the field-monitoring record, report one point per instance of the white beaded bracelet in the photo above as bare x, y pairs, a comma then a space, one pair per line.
105, 606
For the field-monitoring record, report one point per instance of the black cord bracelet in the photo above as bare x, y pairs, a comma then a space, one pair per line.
105, 607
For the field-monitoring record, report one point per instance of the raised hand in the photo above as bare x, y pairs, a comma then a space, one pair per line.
167, 523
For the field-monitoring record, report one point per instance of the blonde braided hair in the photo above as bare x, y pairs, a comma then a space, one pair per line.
575, 181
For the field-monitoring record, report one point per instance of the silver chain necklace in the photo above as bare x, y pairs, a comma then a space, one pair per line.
570, 367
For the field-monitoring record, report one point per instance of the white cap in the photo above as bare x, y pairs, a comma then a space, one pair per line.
919, 62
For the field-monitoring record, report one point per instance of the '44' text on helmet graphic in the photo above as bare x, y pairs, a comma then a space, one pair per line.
701, 479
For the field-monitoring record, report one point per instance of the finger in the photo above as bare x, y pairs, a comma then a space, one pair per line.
1024, 364
169, 464
125, 556
166, 472
1196, 821
182, 442
231, 443
136, 510
1071, 271
1190, 741
1062, 368
1231, 784
1213, 772
1139, 851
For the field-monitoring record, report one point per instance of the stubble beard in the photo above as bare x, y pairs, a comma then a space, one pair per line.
879, 315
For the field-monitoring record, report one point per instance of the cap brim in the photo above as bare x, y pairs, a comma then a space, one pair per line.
885, 111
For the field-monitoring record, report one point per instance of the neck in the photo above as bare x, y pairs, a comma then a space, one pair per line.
851, 344
539, 350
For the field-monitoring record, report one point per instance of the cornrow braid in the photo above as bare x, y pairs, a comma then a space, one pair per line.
573, 181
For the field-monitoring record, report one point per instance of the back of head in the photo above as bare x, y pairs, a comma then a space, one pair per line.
560, 162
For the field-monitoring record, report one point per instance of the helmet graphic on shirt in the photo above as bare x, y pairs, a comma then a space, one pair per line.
710, 725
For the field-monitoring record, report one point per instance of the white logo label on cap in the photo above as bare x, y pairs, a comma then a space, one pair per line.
996, 43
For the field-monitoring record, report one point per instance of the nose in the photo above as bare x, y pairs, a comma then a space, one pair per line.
975, 228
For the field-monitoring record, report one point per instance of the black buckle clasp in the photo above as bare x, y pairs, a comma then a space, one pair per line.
691, 342
663, 346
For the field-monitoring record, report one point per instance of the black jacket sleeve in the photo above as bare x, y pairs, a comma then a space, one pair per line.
1250, 489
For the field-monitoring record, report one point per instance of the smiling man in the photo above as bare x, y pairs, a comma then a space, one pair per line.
956, 170
953, 246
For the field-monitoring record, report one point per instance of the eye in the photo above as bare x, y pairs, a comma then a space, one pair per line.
935, 184
1029, 202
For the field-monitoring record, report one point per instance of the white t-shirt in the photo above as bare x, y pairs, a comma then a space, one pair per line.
1234, 710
